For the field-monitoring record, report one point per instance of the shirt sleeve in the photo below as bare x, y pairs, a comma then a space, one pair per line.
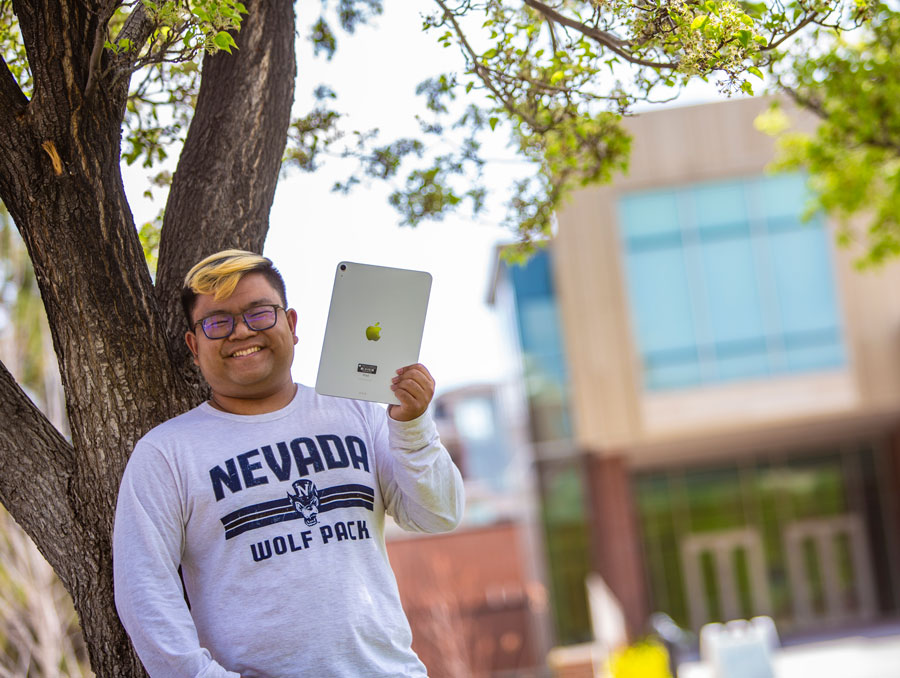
148, 539
420, 484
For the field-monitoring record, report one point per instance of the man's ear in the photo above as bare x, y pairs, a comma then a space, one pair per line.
191, 340
291, 315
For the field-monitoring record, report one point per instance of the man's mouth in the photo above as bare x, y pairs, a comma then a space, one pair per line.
245, 351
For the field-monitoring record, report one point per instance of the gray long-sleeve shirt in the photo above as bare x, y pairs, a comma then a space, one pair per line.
277, 521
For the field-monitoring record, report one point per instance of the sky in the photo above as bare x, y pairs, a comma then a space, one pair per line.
312, 229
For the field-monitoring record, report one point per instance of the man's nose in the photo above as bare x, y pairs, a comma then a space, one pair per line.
241, 329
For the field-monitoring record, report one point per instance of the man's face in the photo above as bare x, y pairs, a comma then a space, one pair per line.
247, 364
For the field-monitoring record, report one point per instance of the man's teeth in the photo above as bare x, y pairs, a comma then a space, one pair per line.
246, 351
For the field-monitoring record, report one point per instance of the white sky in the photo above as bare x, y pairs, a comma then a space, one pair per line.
374, 73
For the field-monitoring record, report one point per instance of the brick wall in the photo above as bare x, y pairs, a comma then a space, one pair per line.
468, 601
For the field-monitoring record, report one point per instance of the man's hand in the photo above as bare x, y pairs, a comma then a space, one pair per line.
414, 388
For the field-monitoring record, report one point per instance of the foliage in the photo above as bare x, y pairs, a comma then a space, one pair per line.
39, 634
559, 77
556, 76
852, 83
12, 49
646, 659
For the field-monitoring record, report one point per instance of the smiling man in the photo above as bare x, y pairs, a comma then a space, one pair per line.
272, 500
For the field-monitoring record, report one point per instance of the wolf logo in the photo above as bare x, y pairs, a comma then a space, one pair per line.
306, 500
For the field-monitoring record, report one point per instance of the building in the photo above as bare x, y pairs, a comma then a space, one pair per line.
714, 391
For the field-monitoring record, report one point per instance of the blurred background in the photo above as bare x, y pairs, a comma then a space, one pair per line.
685, 410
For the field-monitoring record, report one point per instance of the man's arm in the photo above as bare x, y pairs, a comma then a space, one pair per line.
421, 486
147, 548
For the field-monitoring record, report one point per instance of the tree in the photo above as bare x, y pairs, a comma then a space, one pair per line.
112, 330
555, 72
851, 83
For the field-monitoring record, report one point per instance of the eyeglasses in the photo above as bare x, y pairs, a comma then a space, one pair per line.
257, 318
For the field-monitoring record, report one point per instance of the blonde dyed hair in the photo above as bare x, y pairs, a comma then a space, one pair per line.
220, 273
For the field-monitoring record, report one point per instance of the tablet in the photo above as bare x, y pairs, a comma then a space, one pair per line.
375, 325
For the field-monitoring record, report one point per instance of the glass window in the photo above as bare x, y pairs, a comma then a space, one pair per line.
765, 495
726, 281
487, 456
540, 336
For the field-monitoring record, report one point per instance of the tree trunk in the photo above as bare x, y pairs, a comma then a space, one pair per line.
60, 179
232, 156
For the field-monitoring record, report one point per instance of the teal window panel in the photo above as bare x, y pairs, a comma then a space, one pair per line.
804, 281
660, 300
651, 217
540, 327
727, 282
660, 376
818, 352
533, 279
782, 195
731, 290
718, 206
745, 366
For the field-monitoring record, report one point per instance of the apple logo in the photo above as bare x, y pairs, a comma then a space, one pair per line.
373, 332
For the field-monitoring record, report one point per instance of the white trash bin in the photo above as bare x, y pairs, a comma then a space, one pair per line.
740, 648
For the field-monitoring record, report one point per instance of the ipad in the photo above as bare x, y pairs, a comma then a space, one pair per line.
375, 325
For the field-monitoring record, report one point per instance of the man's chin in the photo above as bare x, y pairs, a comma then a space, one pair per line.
249, 389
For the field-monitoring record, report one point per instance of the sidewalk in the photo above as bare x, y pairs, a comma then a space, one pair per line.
870, 654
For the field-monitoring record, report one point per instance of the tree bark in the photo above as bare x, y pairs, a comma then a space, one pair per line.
38, 466
60, 180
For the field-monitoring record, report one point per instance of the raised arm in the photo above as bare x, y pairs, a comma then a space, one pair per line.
421, 486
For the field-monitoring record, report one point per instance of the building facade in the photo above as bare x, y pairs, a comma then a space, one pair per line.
719, 385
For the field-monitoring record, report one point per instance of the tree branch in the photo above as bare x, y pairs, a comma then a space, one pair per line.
12, 99
38, 465
608, 40
803, 24
97, 50
482, 72
138, 28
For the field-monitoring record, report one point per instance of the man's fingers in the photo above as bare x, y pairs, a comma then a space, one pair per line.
413, 388
418, 374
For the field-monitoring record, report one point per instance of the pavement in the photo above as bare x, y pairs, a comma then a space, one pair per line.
868, 653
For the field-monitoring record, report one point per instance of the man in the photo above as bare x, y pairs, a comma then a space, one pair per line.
271, 499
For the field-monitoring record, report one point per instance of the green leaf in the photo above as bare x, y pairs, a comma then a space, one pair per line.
743, 37
556, 77
493, 122
224, 41
755, 71
699, 22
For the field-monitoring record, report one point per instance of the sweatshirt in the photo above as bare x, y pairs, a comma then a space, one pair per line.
277, 523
